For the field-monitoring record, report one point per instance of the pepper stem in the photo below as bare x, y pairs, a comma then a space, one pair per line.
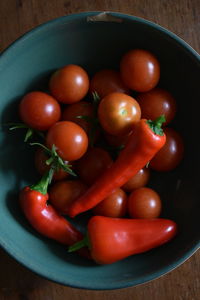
44, 182
80, 244
156, 125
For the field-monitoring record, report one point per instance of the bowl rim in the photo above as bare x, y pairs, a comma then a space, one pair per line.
35, 269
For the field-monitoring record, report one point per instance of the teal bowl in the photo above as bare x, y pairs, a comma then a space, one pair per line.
98, 41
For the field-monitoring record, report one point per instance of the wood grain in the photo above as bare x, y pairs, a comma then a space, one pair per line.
181, 17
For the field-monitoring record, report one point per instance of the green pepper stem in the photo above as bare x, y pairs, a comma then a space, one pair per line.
80, 244
155, 125
42, 185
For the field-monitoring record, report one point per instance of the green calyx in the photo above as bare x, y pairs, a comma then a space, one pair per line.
29, 131
54, 160
42, 185
82, 243
95, 125
156, 125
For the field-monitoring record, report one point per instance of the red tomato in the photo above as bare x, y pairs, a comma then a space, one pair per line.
83, 108
63, 193
93, 164
140, 70
39, 110
157, 102
69, 84
137, 181
114, 206
70, 140
118, 113
116, 141
42, 167
171, 154
107, 81
144, 203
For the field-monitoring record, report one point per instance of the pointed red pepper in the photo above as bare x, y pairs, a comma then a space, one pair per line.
43, 217
113, 239
145, 141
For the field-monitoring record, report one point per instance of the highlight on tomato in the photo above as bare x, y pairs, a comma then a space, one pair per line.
171, 154
137, 181
118, 113
140, 70
69, 139
157, 102
39, 110
144, 203
114, 206
69, 84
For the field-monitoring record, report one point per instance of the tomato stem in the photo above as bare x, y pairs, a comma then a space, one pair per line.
54, 160
29, 133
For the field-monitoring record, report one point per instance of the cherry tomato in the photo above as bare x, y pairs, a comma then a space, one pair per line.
82, 108
114, 206
117, 141
70, 140
171, 154
140, 70
93, 164
64, 192
42, 167
69, 84
157, 102
144, 203
107, 81
39, 110
118, 113
137, 181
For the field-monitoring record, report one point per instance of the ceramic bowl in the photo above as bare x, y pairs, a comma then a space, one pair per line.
96, 41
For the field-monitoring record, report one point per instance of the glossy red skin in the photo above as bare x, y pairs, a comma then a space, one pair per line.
70, 140
64, 192
170, 156
140, 70
45, 219
114, 206
107, 81
144, 203
157, 102
81, 108
116, 141
42, 167
142, 145
93, 164
39, 110
118, 113
69, 84
113, 239
138, 180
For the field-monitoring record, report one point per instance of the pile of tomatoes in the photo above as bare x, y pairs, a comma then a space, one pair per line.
89, 121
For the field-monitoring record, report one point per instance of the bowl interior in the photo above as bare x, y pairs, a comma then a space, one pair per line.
26, 66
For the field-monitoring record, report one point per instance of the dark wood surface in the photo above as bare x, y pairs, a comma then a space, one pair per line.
183, 18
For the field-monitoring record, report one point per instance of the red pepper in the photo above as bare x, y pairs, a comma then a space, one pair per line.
112, 239
43, 217
145, 141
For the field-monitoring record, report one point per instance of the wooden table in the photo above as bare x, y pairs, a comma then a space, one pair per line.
183, 18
